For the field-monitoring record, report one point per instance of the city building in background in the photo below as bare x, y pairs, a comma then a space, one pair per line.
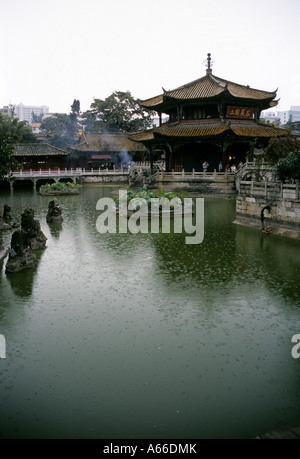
24, 112
7, 110
282, 117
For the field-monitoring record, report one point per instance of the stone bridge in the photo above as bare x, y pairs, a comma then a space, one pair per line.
77, 175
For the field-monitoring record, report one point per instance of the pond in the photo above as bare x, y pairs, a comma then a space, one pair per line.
143, 336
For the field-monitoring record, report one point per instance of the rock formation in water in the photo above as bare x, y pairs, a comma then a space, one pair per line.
5, 219
3, 250
54, 212
32, 230
3, 225
141, 177
30, 237
148, 179
8, 218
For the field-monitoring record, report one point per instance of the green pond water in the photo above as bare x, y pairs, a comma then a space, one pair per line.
143, 336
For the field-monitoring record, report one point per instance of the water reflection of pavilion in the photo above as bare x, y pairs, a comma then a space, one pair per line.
210, 119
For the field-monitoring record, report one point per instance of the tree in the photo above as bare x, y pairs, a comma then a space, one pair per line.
12, 131
72, 125
269, 122
57, 128
62, 128
55, 124
36, 118
120, 112
289, 167
90, 122
279, 148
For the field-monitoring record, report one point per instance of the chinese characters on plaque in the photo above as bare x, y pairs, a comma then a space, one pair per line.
239, 112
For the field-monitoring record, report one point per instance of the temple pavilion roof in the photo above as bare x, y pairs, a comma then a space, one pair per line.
209, 88
206, 91
38, 149
207, 128
106, 142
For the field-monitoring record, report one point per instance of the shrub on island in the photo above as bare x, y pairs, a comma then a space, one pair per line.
59, 188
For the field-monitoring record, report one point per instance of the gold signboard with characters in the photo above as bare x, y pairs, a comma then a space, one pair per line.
239, 112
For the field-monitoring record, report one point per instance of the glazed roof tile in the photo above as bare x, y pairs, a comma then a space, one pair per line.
257, 130
153, 101
191, 129
106, 142
38, 149
210, 128
208, 87
141, 136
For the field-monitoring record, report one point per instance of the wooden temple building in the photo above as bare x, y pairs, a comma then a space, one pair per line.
38, 156
210, 119
105, 150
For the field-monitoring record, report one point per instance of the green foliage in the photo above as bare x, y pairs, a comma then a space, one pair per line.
269, 122
90, 121
59, 186
61, 127
12, 131
289, 167
146, 194
72, 126
60, 141
55, 124
279, 148
36, 118
119, 112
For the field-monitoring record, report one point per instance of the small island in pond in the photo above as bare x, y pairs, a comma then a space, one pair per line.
59, 188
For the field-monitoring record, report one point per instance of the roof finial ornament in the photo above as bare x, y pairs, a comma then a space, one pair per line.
209, 63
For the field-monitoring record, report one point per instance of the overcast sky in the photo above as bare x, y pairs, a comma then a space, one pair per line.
55, 51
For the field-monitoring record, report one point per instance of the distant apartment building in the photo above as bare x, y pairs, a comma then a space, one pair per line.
283, 117
7, 110
272, 117
24, 112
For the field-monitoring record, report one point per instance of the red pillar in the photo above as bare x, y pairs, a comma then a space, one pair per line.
172, 160
224, 159
151, 159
